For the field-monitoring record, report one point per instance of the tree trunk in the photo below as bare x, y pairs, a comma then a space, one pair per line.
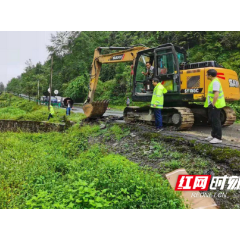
49, 102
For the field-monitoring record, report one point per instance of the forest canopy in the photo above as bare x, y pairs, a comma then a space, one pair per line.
73, 53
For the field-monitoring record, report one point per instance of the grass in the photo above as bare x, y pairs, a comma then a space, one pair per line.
61, 170
236, 106
115, 107
16, 108
166, 154
174, 159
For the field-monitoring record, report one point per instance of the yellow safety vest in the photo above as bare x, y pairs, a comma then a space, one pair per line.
51, 110
220, 103
157, 97
168, 85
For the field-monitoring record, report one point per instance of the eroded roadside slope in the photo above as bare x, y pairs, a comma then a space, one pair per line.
167, 151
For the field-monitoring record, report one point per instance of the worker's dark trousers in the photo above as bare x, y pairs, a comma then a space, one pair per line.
214, 116
68, 110
50, 116
158, 118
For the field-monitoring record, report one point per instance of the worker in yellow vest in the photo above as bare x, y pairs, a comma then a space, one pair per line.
157, 102
51, 112
214, 102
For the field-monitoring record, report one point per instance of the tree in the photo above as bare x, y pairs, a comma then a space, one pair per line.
78, 88
28, 85
1, 87
14, 85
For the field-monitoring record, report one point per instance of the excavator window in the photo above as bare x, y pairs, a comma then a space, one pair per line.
166, 68
181, 58
165, 64
144, 82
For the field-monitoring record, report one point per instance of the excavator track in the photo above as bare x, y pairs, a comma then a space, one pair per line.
230, 116
181, 118
187, 118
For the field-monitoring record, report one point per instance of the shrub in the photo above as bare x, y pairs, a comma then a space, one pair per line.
60, 170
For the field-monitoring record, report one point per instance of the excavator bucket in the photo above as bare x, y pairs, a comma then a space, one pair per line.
95, 109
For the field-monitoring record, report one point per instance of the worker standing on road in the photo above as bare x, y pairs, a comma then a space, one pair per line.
214, 102
68, 110
51, 112
128, 101
157, 102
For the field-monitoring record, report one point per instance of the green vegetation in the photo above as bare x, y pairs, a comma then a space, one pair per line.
1, 87
218, 155
236, 107
61, 170
15, 108
164, 153
70, 170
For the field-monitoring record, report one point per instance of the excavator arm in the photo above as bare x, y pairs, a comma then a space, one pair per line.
126, 54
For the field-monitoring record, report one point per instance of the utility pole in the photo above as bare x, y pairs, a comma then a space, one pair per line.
38, 92
49, 102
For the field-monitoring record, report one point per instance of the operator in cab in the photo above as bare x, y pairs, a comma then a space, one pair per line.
150, 70
149, 75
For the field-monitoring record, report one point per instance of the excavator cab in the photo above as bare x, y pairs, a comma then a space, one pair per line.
166, 60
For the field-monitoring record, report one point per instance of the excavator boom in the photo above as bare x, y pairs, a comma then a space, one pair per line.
126, 54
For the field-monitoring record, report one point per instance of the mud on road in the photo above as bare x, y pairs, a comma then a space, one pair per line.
170, 150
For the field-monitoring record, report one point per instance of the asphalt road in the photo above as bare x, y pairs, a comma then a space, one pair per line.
231, 133
107, 113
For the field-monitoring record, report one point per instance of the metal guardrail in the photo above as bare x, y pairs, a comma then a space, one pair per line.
78, 103
46, 103
58, 105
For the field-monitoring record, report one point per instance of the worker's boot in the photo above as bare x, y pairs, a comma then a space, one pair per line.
209, 138
215, 140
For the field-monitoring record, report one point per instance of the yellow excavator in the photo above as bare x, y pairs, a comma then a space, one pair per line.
187, 85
